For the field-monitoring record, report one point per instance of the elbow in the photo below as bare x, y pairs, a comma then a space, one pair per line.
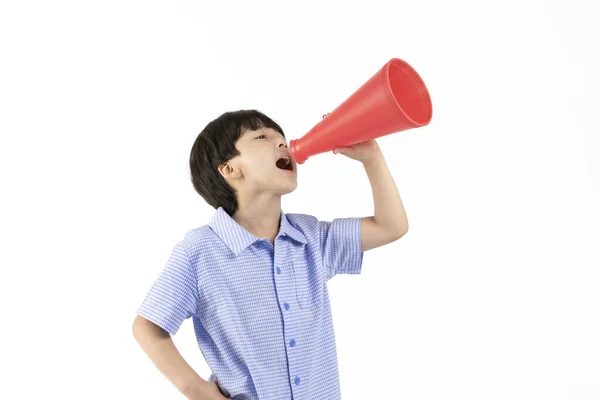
397, 236
404, 230
393, 236
399, 231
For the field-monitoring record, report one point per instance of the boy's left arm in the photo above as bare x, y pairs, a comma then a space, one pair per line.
389, 222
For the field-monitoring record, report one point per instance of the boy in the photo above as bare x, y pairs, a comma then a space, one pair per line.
254, 279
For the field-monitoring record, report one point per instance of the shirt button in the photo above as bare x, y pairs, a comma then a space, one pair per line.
292, 342
286, 306
278, 270
297, 380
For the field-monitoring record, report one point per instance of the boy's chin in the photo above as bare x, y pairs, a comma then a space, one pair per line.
292, 189
286, 189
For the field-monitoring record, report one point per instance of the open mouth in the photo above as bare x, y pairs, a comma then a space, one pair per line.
285, 162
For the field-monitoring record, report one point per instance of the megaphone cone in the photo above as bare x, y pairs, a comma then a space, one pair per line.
393, 100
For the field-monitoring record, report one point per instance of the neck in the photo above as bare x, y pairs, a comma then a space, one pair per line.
259, 215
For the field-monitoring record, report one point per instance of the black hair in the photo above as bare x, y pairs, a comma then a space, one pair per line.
216, 145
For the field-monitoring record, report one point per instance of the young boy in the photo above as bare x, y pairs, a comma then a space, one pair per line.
254, 279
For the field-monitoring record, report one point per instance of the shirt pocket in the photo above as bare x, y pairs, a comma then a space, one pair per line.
302, 282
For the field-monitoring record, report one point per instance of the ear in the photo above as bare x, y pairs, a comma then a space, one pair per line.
228, 171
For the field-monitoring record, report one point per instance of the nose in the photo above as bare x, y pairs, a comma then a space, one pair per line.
283, 144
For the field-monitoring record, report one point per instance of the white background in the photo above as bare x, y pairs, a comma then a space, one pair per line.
492, 294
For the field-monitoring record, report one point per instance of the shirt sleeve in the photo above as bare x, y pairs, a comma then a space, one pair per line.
340, 246
173, 297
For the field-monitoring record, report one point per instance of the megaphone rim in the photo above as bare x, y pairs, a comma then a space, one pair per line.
414, 74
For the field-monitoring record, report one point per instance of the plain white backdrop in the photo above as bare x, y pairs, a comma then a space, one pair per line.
492, 294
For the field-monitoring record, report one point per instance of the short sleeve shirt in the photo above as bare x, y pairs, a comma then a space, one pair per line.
261, 312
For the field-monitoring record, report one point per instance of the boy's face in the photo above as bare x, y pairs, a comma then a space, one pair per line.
260, 168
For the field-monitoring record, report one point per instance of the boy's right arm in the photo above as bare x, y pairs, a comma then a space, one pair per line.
158, 345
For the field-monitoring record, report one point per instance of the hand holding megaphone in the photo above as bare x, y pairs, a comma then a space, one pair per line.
363, 151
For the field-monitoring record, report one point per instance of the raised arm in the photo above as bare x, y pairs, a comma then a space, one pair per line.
389, 221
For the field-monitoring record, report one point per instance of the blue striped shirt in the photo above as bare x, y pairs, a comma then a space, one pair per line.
261, 313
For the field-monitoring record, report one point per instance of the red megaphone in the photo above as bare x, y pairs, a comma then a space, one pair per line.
393, 100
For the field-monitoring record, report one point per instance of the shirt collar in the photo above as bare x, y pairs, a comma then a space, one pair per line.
237, 238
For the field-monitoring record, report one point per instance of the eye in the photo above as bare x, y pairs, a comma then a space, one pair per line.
261, 136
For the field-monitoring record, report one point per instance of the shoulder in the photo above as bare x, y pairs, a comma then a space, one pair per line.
198, 241
302, 220
312, 227
308, 225
308, 222
199, 234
